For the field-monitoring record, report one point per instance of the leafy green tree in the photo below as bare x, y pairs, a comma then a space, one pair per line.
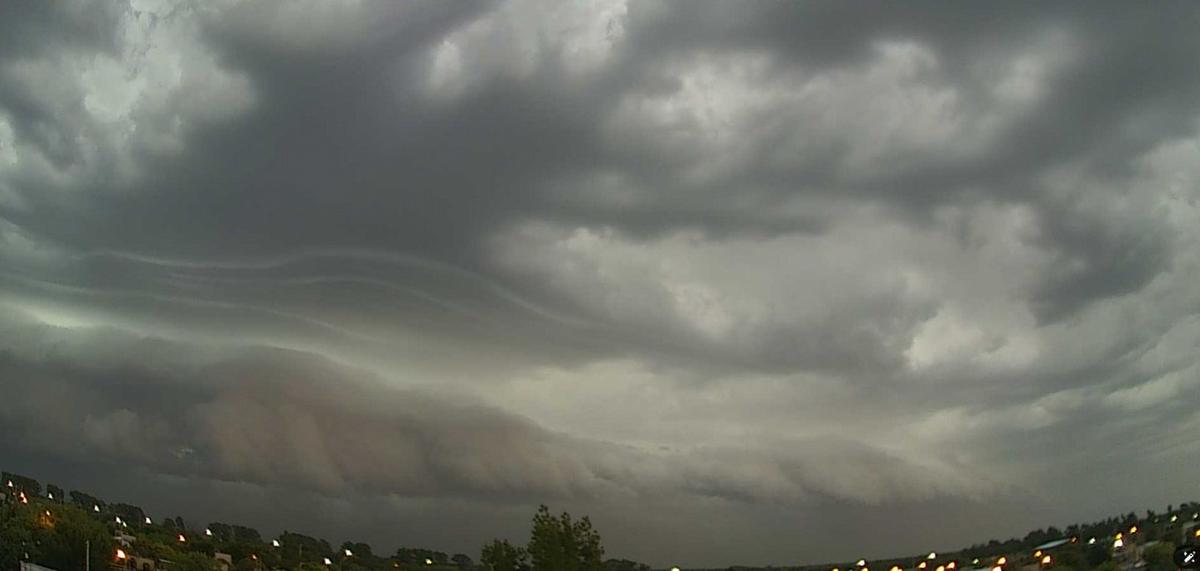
462, 561
1097, 554
560, 544
1159, 557
62, 539
16, 534
57, 492
500, 555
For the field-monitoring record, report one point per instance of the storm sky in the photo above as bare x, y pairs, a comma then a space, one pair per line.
746, 282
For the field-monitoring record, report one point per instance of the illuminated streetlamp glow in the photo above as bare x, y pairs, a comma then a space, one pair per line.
208, 532
1092, 541
921, 565
328, 562
1118, 543
975, 561
182, 539
349, 553
952, 565
274, 543
148, 520
96, 509
1002, 561
1046, 560
121, 554
1174, 518
931, 555
428, 561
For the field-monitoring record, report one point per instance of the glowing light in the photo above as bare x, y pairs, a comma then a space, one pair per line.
921, 565
931, 555
328, 562
274, 543
941, 568
1046, 560
49, 495
1174, 518
121, 554
349, 553
997, 568
208, 532
1092, 541
1133, 529
428, 561
182, 539
1118, 543
148, 520
952, 565
1037, 553
975, 561
96, 509
895, 568
1002, 561
861, 563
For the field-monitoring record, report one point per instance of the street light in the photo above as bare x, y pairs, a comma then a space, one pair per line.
1092, 541
1002, 561
208, 532
148, 520
349, 553
1118, 543
274, 543
182, 539
327, 562
96, 508
1046, 561
931, 555
121, 556
428, 561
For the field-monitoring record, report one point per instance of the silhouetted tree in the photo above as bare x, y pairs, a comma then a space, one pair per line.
560, 544
500, 555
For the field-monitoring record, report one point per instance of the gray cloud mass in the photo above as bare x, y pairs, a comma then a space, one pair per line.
744, 282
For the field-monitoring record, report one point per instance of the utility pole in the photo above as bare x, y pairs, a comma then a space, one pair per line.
87, 554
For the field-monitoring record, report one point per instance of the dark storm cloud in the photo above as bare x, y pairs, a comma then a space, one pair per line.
487, 253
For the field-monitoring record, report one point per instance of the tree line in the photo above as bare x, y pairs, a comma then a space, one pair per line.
54, 528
